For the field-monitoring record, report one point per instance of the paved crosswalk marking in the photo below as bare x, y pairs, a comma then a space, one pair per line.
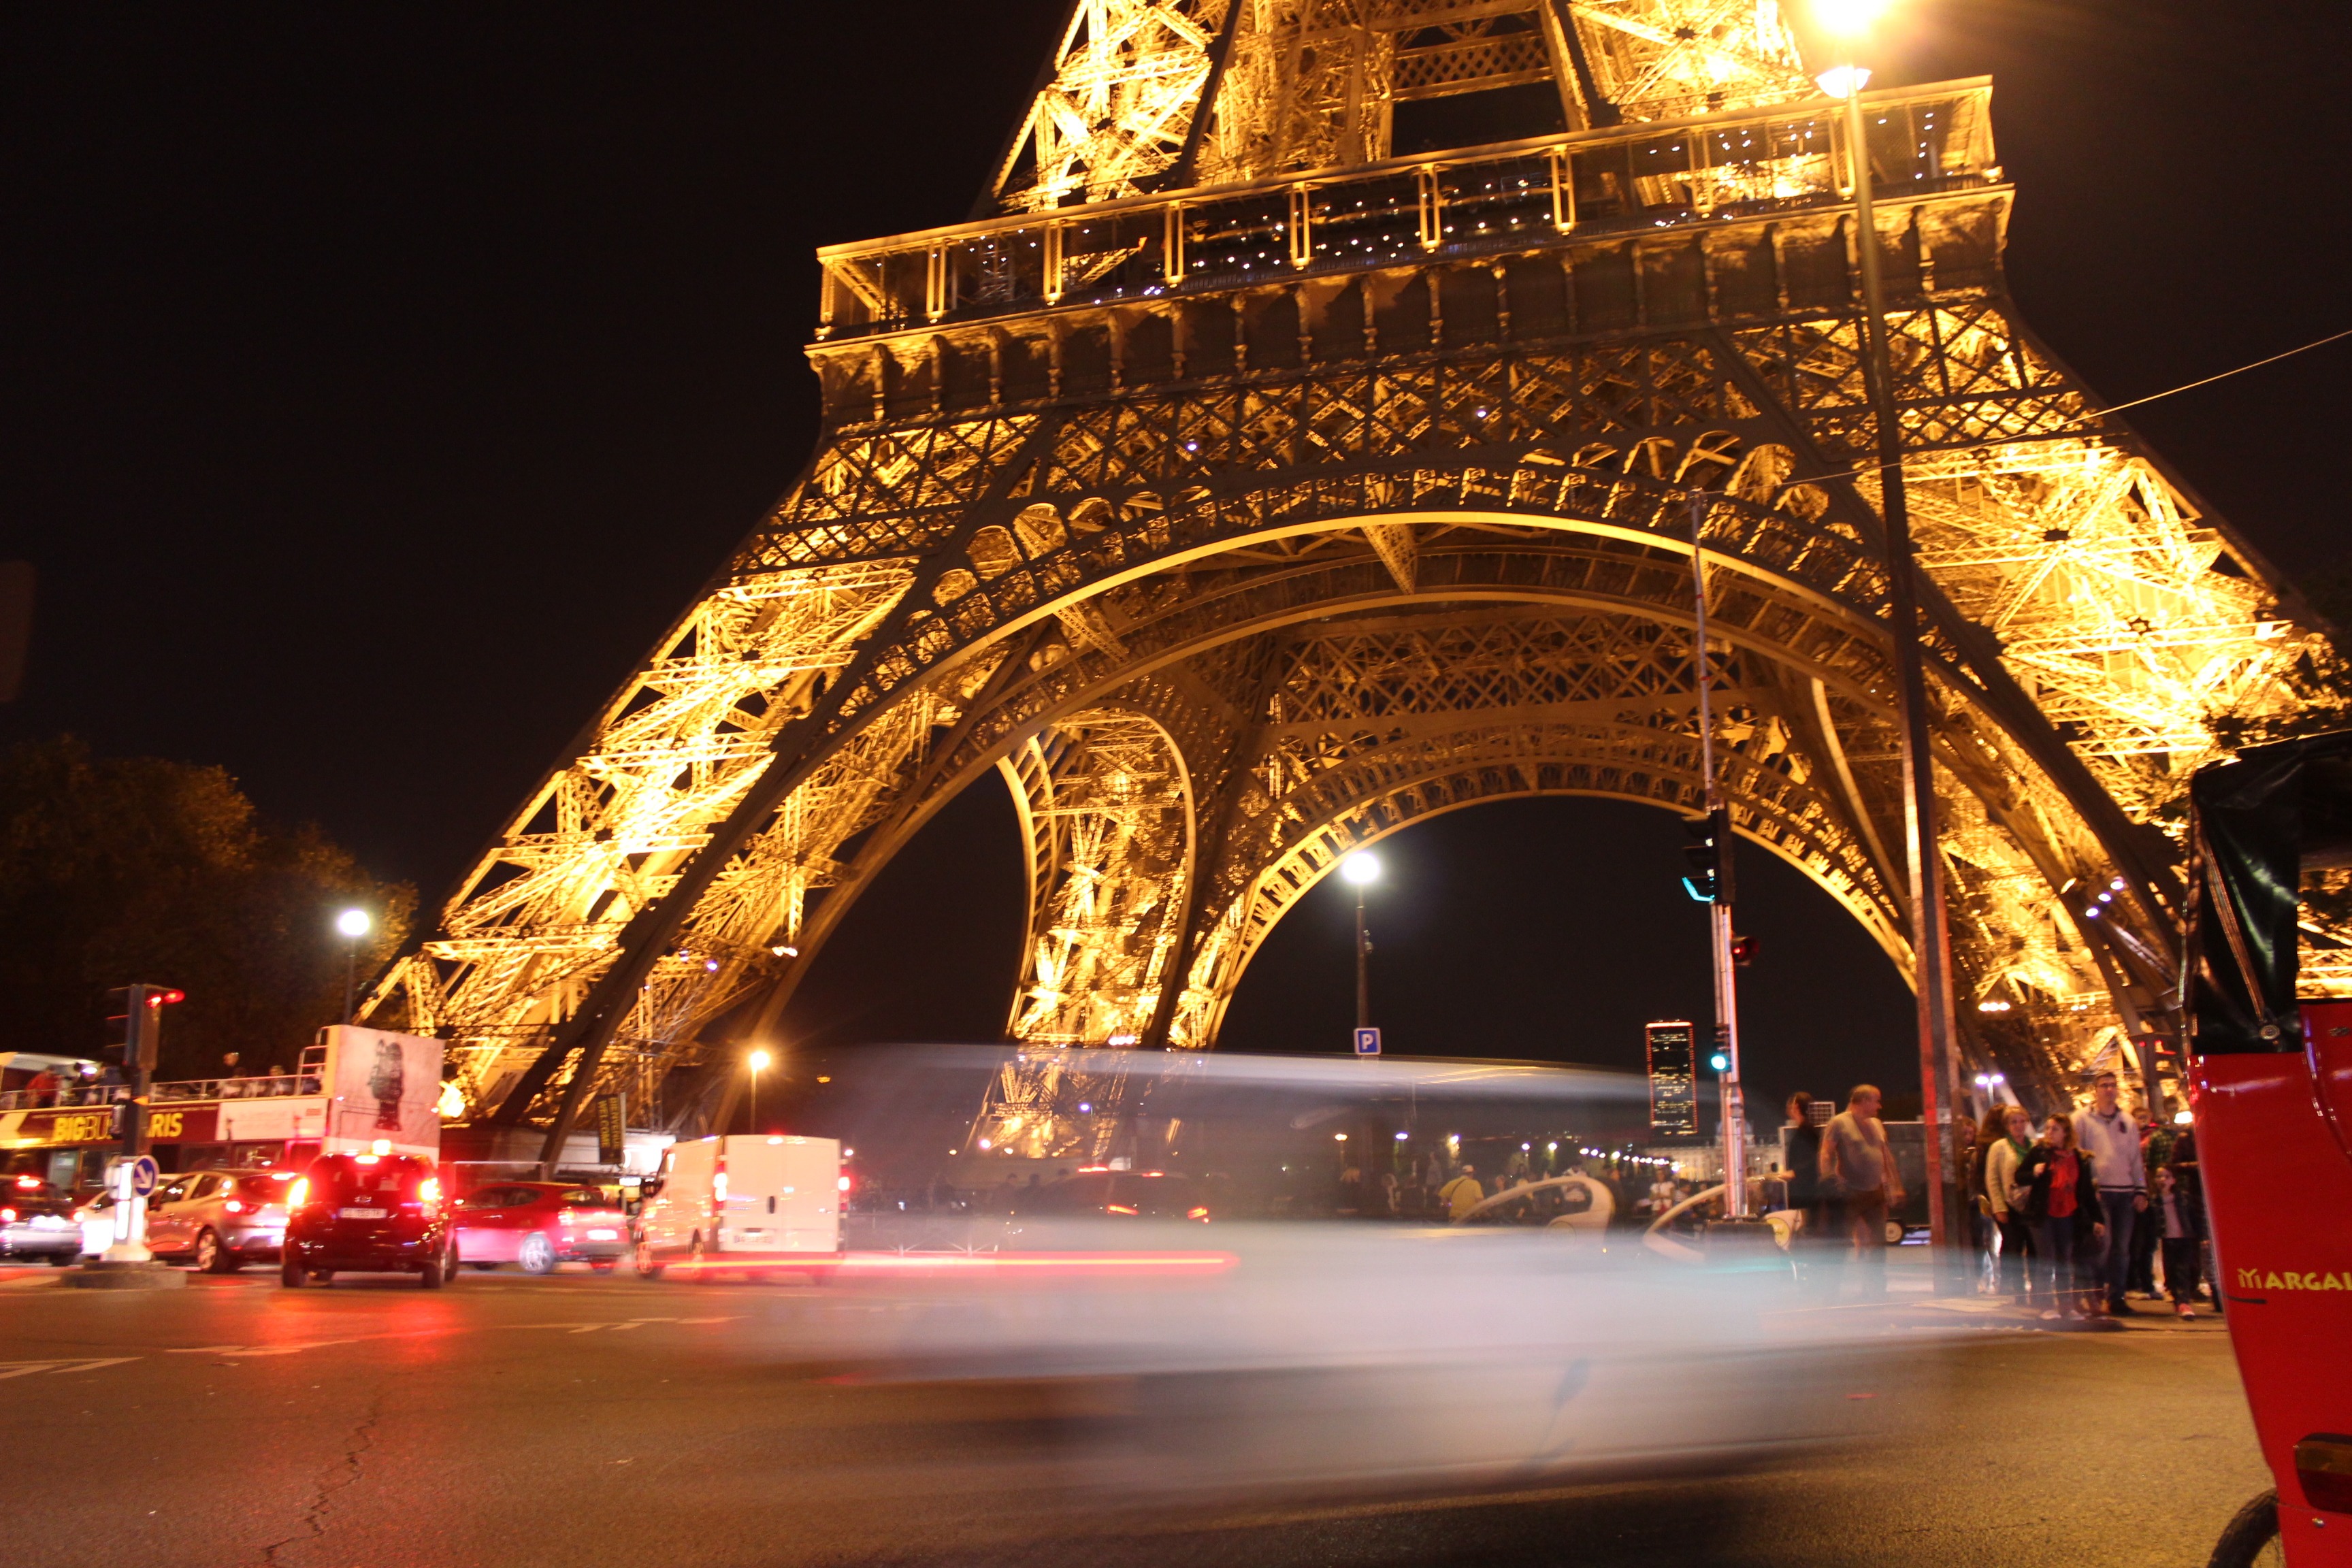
9, 1369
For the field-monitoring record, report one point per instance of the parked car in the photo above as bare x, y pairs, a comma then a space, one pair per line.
1117, 1195
37, 1221
367, 1214
539, 1225
219, 1220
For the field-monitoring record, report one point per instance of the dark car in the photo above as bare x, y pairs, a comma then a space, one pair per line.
1119, 1195
37, 1221
368, 1214
539, 1225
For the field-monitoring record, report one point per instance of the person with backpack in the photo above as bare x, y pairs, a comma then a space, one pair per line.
1857, 1168
2012, 1143
2060, 1199
1462, 1194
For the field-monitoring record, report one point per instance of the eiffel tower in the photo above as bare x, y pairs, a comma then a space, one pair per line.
1299, 440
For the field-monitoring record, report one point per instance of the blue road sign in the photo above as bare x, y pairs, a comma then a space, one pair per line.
1367, 1042
143, 1174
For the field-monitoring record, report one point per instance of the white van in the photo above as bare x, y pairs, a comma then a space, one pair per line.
750, 1201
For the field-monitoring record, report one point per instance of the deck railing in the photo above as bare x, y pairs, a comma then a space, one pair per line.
1508, 195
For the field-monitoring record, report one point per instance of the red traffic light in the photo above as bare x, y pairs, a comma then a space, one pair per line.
163, 998
1743, 951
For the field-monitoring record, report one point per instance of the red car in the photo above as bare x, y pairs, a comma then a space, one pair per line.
539, 1225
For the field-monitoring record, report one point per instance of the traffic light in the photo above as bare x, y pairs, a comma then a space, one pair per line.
1743, 951
1710, 857
134, 1024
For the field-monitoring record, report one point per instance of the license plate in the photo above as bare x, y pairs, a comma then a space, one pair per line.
604, 1236
362, 1214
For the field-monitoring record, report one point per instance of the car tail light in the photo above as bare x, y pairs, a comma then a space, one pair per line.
298, 1194
1117, 1208
2323, 1464
843, 1183
234, 1206
29, 1183
428, 1193
1196, 1214
7, 1217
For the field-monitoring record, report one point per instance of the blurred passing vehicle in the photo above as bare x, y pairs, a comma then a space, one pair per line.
37, 1221
220, 1220
1116, 1195
368, 1213
539, 1225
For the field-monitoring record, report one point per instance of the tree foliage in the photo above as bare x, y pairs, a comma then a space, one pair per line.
120, 869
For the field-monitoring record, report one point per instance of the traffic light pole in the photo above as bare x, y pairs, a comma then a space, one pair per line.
1719, 909
1363, 966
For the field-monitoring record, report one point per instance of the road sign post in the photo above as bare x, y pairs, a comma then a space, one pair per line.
130, 1180
1367, 1042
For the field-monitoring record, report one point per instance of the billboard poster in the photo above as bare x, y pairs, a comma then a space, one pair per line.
1674, 1089
611, 1128
383, 1086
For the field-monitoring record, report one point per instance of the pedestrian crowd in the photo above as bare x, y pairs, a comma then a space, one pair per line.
2078, 1217
2074, 1215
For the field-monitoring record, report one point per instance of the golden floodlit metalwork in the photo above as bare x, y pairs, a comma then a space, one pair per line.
1298, 446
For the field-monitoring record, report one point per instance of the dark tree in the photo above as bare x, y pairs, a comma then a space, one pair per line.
134, 869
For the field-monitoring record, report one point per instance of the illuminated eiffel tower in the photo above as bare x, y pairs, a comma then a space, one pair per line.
1296, 446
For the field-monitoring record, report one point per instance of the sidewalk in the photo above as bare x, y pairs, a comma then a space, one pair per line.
1913, 1297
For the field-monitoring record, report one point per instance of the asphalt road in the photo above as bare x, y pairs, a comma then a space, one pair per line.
584, 1421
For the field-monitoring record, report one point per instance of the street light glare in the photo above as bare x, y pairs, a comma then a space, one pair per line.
353, 924
1362, 868
1847, 19
760, 1060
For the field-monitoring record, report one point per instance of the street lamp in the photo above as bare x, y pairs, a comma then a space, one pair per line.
1361, 869
758, 1061
353, 925
1849, 21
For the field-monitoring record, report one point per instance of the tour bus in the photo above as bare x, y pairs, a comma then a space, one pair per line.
749, 1202
351, 1089
2271, 1088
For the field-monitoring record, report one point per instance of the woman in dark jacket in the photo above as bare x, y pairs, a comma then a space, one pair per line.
2061, 1206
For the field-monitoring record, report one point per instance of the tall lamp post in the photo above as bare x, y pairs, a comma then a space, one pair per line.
758, 1061
354, 924
1849, 21
1361, 868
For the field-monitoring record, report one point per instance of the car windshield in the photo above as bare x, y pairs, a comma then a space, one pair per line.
585, 1198
263, 1189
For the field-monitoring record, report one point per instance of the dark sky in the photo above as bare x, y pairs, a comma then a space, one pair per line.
379, 383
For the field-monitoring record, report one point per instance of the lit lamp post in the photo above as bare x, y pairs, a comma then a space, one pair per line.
758, 1061
1849, 21
353, 925
1361, 869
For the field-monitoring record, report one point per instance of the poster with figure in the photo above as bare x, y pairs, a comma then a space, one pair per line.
383, 1086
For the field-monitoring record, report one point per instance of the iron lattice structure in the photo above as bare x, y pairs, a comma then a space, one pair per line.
1244, 491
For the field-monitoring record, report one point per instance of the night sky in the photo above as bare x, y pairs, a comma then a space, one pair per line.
379, 383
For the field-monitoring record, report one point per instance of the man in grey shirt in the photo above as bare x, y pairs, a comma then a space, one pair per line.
1858, 1169
2110, 1135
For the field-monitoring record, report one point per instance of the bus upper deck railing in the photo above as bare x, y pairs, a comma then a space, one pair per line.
1626, 179
71, 1095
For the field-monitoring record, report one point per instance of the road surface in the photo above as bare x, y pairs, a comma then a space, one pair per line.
581, 1421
